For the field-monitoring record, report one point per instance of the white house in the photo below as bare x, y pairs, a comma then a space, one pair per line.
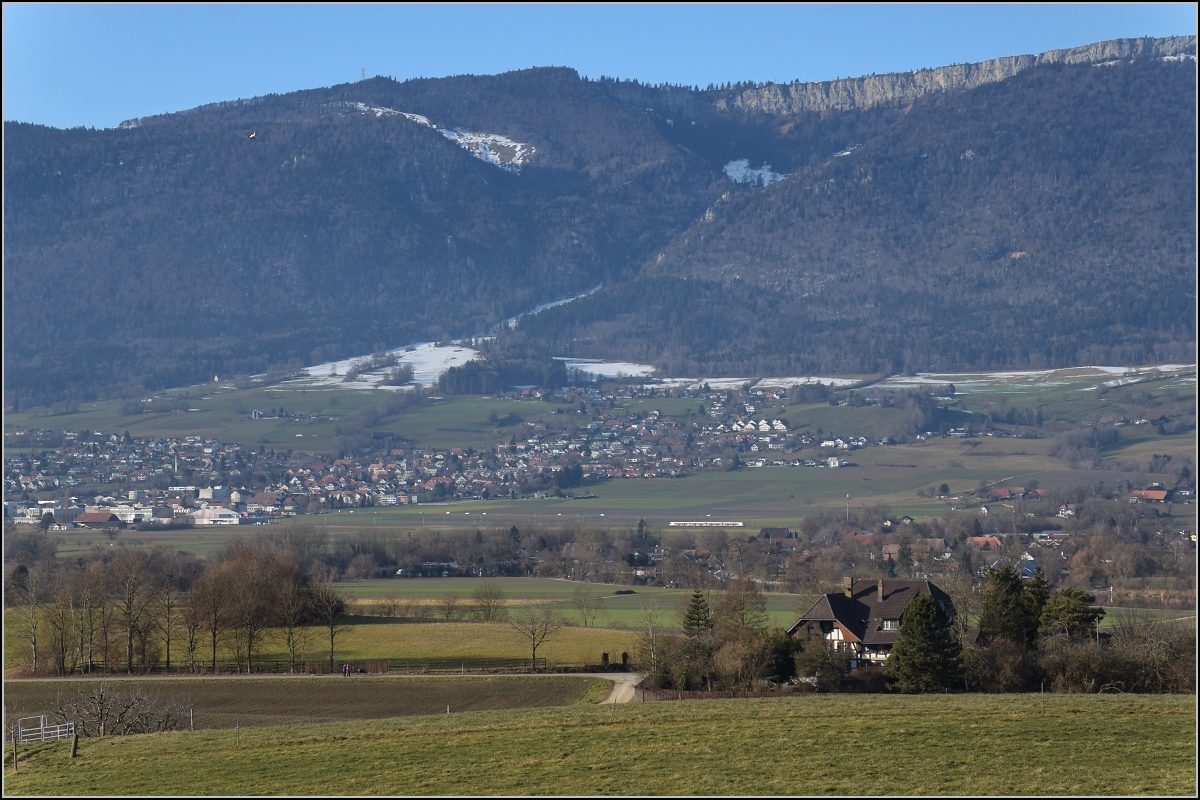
214, 516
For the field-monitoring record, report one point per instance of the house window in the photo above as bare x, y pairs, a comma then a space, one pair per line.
891, 624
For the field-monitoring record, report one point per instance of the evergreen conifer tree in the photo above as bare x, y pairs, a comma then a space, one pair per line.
927, 656
1070, 611
698, 618
1010, 607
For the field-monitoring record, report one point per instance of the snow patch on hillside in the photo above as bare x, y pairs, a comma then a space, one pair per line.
497, 150
378, 111
740, 172
512, 321
492, 148
419, 119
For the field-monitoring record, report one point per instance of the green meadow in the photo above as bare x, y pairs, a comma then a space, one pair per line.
620, 611
821, 745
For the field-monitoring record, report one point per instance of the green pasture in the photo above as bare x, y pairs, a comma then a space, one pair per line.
224, 412
821, 745
1075, 397
1141, 446
421, 596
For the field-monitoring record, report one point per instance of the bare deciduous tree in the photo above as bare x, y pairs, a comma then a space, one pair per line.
489, 602
132, 595
168, 598
211, 599
588, 604
649, 638
535, 625
109, 711
28, 600
448, 603
59, 615
329, 607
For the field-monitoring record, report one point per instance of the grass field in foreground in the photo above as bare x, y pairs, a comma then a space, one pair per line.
830, 745
255, 702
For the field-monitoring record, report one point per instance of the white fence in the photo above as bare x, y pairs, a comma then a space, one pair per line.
36, 729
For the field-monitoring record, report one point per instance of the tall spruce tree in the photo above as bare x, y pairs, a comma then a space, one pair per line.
927, 656
1011, 608
698, 617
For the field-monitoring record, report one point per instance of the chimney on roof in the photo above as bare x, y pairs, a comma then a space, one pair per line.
880, 590
848, 583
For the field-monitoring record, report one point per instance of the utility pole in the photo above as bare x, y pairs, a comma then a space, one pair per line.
847, 508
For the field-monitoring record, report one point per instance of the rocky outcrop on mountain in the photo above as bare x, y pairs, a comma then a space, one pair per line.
904, 87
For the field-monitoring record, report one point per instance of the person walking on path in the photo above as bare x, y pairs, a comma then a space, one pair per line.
345, 670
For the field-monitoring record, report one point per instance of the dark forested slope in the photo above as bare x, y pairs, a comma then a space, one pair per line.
176, 247
1043, 218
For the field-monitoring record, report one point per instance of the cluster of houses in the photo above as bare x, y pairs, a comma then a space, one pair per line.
273, 483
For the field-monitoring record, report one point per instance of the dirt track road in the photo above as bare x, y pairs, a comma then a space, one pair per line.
622, 691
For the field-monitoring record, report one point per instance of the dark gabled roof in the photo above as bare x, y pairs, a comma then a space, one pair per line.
862, 614
836, 607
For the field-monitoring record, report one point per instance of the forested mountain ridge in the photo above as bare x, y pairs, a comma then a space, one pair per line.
1042, 221
182, 248
372, 214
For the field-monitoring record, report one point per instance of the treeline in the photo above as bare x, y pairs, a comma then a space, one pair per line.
1028, 637
1031, 637
136, 610
493, 375
723, 645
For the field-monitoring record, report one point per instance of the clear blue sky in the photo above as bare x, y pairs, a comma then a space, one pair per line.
96, 65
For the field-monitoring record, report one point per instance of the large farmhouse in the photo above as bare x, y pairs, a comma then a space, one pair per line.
864, 618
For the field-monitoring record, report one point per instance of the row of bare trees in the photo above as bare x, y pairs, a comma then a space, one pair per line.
142, 610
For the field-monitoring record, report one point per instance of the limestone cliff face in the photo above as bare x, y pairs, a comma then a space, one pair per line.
903, 87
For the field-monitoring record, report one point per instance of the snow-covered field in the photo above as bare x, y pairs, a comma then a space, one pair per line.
1033, 380
428, 360
787, 383
739, 171
609, 369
